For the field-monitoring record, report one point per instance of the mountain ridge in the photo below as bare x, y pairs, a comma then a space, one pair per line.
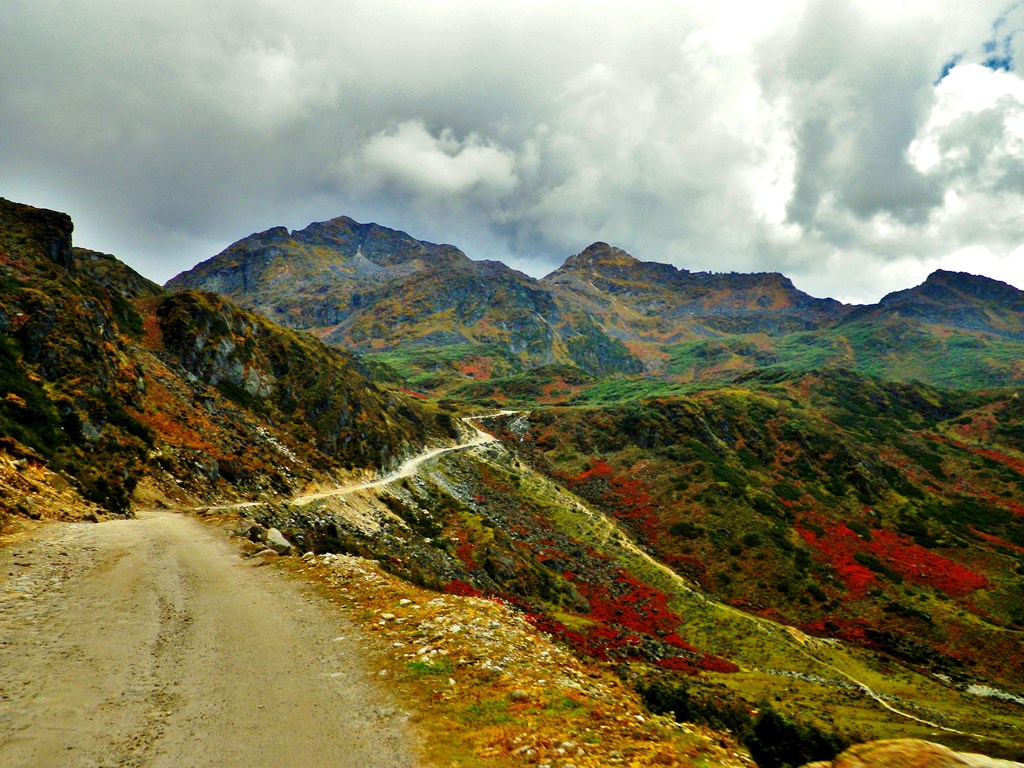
389, 296
108, 380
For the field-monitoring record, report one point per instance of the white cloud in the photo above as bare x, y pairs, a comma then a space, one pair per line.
410, 158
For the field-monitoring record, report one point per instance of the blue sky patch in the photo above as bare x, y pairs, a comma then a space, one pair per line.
955, 59
996, 52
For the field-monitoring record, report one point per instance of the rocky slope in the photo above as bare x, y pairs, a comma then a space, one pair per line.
111, 382
910, 753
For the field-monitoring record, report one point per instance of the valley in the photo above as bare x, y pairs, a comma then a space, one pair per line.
786, 520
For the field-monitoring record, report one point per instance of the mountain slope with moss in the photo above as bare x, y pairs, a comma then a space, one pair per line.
596, 554
367, 287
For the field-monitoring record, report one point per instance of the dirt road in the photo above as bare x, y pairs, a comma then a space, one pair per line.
410, 467
150, 642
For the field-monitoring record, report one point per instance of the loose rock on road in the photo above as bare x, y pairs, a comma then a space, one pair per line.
150, 642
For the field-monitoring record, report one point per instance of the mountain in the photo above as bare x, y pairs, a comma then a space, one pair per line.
436, 320
109, 382
660, 302
955, 300
315, 277
364, 286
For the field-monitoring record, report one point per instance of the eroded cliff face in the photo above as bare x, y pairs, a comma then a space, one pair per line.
68, 374
318, 392
37, 232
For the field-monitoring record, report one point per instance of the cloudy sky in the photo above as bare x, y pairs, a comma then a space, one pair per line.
854, 146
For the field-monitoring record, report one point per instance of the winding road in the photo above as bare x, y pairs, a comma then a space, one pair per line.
411, 466
150, 642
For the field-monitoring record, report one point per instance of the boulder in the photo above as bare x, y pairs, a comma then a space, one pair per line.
277, 542
910, 753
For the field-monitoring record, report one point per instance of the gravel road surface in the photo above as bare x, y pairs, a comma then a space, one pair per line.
151, 642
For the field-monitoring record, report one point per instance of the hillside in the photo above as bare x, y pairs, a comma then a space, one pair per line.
111, 382
733, 549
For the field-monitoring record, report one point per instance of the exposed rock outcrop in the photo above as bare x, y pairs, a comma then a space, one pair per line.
43, 232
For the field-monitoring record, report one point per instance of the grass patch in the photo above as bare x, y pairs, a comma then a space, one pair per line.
430, 667
486, 712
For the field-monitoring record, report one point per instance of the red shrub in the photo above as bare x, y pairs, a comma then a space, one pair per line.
898, 553
462, 589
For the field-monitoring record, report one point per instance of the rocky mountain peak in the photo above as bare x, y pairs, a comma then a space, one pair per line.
598, 255
381, 245
956, 299
945, 285
976, 286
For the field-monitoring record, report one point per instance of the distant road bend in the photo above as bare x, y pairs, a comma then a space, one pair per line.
411, 466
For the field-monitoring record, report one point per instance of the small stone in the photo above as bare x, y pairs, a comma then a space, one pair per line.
405, 601
309, 556
518, 695
388, 616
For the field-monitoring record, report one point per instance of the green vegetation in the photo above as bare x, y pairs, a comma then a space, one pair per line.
430, 667
439, 367
621, 390
897, 350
